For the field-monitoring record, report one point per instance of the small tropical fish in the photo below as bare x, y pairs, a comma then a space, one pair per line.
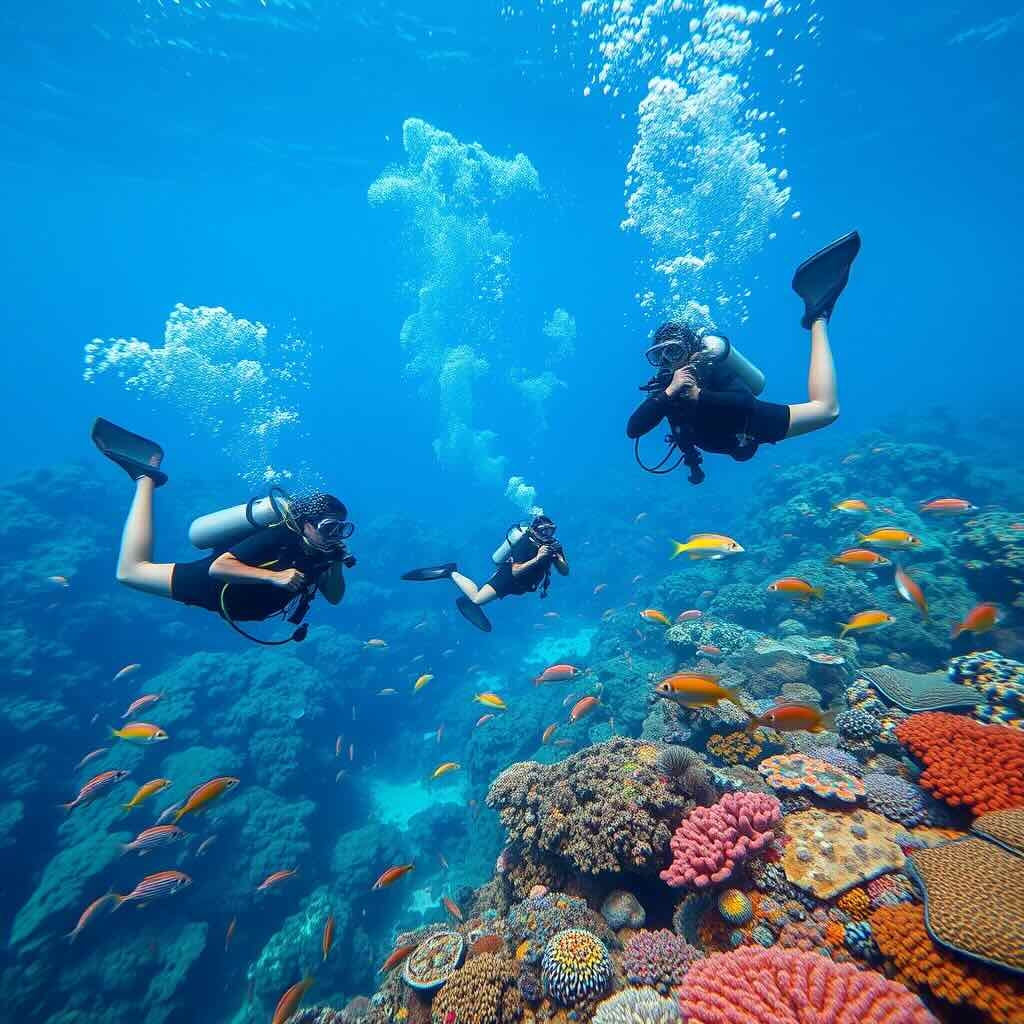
653, 615
639, 517
142, 702
341, 773
169, 812
440, 732
911, 591
145, 791
230, 932
548, 733
388, 691
947, 506
452, 907
600, 587
551, 615
556, 674
582, 708
859, 558
95, 787
442, 861
421, 682
93, 912
59, 581
483, 718
696, 690
980, 619
337, 746
377, 643
328, 937
126, 671
154, 838
205, 794
395, 957
851, 505
848, 460
276, 879
822, 658
91, 756
563, 743
443, 769
864, 621
289, 1002
491, 700
710, 649
891, 537
154, 887
392, 875
793, 586
140, 732
205, 845
707, 545
351, 752
570, 698
690, 615
420, 626
792, 716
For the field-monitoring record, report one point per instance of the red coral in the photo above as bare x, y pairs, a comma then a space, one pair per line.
711, 841
980, 767
774, 986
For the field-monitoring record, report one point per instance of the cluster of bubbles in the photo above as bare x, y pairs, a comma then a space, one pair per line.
448, 193
226, 375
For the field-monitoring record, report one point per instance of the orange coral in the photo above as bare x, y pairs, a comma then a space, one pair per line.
736, 748
856, 903
901, 936
980, 767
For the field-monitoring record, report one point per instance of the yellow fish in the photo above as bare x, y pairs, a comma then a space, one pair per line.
696, 690
891, 537
140, 732
421, 682
707, 545
491, 700
444, 769
851, 505
144, 792
872, 619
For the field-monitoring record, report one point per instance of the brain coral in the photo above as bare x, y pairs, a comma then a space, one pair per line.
598, 810
774, 986
900, 935
980, 767
484, 991
712, 840
575, 966
532, 923
793, 772
637, 1006
658, 959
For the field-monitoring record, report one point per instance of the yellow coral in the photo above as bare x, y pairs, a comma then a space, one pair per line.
856, 903
736, 748
647, 754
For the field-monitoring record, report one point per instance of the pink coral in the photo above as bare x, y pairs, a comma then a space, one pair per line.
774, 986
711, 841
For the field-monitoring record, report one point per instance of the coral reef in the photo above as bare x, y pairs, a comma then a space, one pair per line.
658, 959
914, 691
686, 771
795, 772
575, 966
621, 909
637, 1006
532, 923
902, 801
434, 961
999, 681
709, 844
484, 991
735, 906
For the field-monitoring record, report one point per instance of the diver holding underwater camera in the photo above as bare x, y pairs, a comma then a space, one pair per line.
708, 391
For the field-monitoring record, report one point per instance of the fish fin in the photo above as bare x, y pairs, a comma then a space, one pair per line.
827, 723
956, 631
68, 807
126, 807
752, 725
118, 900
71, 936
678, 549
818, 592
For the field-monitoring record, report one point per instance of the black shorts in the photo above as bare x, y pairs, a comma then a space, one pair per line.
191, 584
769, 422
723, 423
505, 584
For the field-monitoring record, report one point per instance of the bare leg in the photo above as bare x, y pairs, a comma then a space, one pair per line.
478, 595
823, 405
135, 565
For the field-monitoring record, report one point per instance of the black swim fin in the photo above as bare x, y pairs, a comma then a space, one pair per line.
431, 572
136, 455
473, 613
820, 280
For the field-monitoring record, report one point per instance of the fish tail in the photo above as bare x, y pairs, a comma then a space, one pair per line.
114, 732
178, 815
677, 549
843, 630
956, 631
818, 592
828, 721
118, 900
68, 807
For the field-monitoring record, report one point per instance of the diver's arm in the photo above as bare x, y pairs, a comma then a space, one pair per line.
230, 569
562, 563
332, 584
648, 415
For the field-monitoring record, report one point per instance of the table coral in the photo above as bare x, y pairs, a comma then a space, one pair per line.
709, 844
658, 959
773, 986
434, 961
902, 938
484, 991
637, 1006
980, 767
832, 851
794, 772
575, 967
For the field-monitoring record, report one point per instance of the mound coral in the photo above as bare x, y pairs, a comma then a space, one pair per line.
434, 961
855, 903
902, 801
709, 844
622, 909
841, 759
902, 938
794, 772
735, 907
658, 959
999, 681
774, 986
686, 771
531, 924
980, 767
575, 966
484, 991
857, 724
734, 748
637, 1006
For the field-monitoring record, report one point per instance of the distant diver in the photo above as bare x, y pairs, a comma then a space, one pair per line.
708, 391
270, 555
524, 559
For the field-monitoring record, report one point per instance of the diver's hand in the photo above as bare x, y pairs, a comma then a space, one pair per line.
684, 382
542, 552
288, 579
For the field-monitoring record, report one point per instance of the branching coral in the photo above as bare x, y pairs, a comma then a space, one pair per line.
658, 959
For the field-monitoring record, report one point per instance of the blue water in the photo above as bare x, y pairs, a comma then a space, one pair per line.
219, 153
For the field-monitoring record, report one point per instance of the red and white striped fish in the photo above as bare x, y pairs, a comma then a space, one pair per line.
91, 756
96, 786
275, 879
155, 838
95, 910
155, 887
142, 702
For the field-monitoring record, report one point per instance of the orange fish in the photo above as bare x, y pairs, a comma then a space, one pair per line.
230, 933
395, 957
289, 1002
583, 707
205, 794
443, 769
863, 621
452, 907
947, 506
276, 879
859, 558
791, 716
891, 537
94, 910
140, 732
980, 619
392, 875
851, 505
793, 586
548, 733
328, 939
653, 615
145, 791
696, 690
483, 718
710, 649
911, 591
556, 674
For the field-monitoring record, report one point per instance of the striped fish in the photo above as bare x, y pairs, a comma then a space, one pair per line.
154, 887
155, 838
275, 879
95, 787
141, 702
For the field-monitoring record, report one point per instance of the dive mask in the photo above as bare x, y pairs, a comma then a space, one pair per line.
543, 530
333, 529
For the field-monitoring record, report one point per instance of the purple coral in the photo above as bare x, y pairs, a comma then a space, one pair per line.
841, 759
711, 841
659, 959
902, 801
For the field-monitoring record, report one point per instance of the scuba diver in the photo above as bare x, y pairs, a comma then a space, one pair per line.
708, 391
270, 555
524, 559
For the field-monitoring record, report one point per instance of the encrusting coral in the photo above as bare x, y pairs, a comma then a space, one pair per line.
622, 909
484, 991
796, 772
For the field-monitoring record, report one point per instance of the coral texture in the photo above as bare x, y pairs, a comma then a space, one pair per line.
622, 909
735, 907
712, 840
434, 960
902, 801
637, 1006
658, 959
532, 923
575, 966
795, 772
484, 991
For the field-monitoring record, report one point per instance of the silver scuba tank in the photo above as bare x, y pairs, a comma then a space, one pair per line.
505, 549
229, 526
721, 353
